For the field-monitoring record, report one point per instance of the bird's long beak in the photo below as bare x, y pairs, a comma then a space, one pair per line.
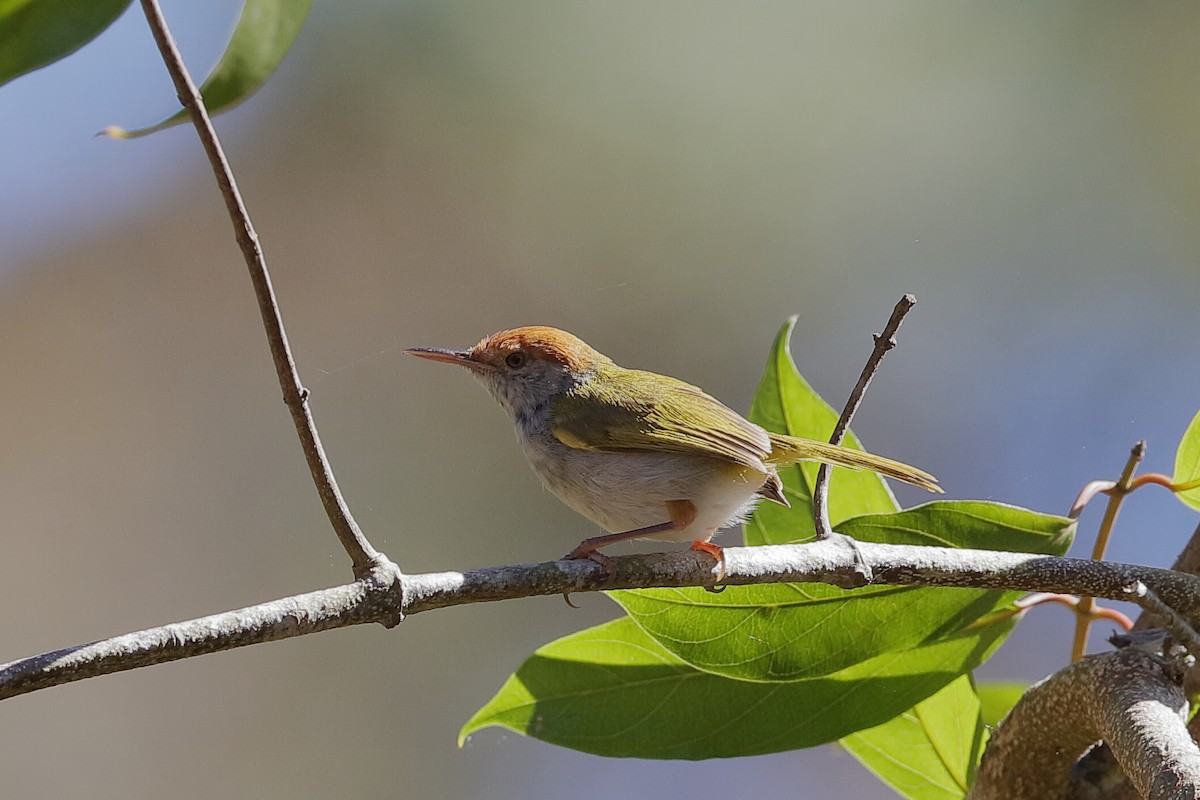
460, 357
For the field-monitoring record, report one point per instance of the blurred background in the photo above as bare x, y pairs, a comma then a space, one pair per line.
668, 180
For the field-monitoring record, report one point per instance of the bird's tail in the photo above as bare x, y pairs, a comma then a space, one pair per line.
790, 449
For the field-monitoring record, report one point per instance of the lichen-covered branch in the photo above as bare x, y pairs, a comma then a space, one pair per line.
385, 596
1098, 776
1132, 699
374, 598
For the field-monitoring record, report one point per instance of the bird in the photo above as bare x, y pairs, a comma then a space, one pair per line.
643, 455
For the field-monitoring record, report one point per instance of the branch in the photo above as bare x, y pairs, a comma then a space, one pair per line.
369, 599
377, 596
1131, 699
1174, 623
363, 556
1097, 774
883, 343
1188, 563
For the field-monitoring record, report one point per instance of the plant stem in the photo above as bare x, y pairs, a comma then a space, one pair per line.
1116, 496
363, 556
883, 343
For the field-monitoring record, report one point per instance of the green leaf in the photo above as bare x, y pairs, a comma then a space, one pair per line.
34, 33
1187, 463
613, 691
264, 34
998, 698
974, 524
786, 632
930, 751
785, 403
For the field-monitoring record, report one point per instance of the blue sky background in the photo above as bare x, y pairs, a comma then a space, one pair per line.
58, 170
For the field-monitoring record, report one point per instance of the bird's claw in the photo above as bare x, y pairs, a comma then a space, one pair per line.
591, 554
717, 552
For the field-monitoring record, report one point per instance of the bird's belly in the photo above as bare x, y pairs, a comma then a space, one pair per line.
630, 490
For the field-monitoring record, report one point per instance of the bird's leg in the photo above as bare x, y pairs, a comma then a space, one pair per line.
588, 548
682, 514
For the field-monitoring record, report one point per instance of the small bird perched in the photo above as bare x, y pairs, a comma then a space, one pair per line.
641, 454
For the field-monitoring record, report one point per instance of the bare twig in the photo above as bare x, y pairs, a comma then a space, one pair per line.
363, 556
824, 531
1187, 562
375, 598
1116, 496
1087, 494
1124, 485
1175, 624
883, 343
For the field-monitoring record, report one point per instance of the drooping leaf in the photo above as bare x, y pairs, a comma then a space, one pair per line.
34, 33
930, 751
1187, 463
264, 34
613, 691
785, 632
785, 403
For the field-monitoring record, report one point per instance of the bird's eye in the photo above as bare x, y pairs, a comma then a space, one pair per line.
515, 359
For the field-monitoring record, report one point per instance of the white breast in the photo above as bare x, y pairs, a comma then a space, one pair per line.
623, 491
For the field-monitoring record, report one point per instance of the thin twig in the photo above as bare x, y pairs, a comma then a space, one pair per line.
1175, 624
1093, 488
1072, 602
1116, 496
1158, 479
363, 556
883, 343
1187, 562
375, 598
1087, 494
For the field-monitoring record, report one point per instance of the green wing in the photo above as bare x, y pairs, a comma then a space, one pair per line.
652, 412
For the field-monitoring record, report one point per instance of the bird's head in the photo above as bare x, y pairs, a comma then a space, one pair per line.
525, 369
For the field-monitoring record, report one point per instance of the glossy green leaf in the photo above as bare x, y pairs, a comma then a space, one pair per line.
264, 34
1187, 463
785, 403
613, 691
34, 33
930, 751
785, 632
997, 699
